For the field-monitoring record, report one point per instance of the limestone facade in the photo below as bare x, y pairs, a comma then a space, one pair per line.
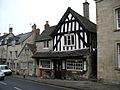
108, 35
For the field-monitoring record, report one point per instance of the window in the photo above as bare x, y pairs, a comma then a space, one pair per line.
75, 65
117, 11
45, 64
10, 54
118, 54
16, 54
69, 39
46, 44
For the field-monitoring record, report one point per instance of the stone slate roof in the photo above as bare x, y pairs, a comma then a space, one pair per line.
45, 35
24, 36
19, 38
63, 54
3, 39
86, 23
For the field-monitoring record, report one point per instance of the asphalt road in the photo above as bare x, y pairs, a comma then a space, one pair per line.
19, 84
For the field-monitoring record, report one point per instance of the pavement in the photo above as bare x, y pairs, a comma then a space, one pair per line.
77, 85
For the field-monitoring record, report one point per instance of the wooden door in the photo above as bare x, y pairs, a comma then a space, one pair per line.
58, 68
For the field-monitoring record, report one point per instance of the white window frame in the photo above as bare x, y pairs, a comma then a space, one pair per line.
69, 39
73, 65
46, 44
117, 18
118, 55
46, 63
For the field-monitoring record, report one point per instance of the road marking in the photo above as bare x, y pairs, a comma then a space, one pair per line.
17, 88
3, 83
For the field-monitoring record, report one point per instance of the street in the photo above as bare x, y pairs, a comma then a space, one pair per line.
11, 83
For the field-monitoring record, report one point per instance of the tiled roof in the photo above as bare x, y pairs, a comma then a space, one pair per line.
86, 23
45, 35
63, 54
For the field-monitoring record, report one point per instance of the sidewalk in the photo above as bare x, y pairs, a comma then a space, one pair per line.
79, 85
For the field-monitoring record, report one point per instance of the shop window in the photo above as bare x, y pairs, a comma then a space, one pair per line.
75, 65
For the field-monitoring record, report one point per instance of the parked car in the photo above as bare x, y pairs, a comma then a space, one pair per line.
5, 70
2, 75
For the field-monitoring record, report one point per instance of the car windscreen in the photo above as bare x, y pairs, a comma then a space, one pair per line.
4, 67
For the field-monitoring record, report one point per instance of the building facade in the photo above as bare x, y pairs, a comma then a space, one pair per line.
108, 40
73, 54
4, 40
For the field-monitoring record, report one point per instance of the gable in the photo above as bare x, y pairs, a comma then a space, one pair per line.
73, 32
72, 16
30, 47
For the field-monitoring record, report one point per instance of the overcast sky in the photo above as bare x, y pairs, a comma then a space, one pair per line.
21, 14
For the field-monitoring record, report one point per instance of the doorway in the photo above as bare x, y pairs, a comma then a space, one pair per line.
58, 68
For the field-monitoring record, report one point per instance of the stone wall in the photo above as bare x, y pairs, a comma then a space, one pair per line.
107, 37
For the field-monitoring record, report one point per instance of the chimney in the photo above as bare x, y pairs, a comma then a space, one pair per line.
34, 27
37, 33
46, 26
86, 9
10, 29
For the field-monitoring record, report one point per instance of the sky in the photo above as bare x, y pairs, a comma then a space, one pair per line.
22, 14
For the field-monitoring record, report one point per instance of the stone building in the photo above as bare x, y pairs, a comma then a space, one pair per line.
13, 45
108, 40
44, 44
25, 60
3, 45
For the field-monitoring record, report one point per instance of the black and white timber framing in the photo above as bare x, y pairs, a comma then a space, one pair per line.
74, 32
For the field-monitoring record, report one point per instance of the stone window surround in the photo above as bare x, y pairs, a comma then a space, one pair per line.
116, 55
115, 19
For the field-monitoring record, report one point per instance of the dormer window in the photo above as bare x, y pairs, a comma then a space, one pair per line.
117, 12
46, 44
5, 41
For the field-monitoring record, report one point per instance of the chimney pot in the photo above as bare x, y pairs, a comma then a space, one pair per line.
10, 29
46, 26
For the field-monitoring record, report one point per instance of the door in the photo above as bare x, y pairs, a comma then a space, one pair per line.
58, 68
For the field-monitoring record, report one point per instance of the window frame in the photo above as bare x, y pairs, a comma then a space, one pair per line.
118, 55
47, 63
75, 64
69, 40
117, 19
16, 54
46, 44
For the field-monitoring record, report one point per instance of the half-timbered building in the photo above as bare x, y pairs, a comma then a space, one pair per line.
74, 48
